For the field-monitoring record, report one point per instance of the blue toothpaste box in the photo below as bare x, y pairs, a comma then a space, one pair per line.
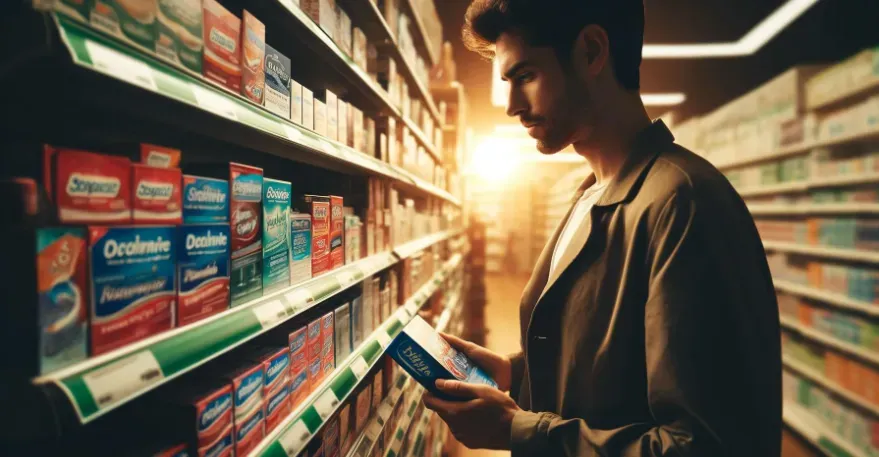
205, 200
426, 356
277, 94
275, 234
202, 271
300, 247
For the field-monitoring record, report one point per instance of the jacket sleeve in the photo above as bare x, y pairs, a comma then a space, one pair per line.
700, 346
517, 372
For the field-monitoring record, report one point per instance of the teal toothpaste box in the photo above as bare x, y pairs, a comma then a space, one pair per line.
300, 248
427, 356
276, 233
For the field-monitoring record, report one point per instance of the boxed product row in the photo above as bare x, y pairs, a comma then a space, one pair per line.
846, 233
859, 429
827, 163
856, 377
795, 169
858, 194
855, 282
850, 76
837, 324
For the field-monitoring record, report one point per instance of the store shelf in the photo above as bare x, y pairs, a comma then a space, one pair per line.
420, 37
422, 138
829, 341
810, 428
798, 149
89, 49
418, 434
819, 378
364, 446
758, 209
837, 300
101, 384
406, 421
787, 187
407, 249
817, 183
825, 252
294, 433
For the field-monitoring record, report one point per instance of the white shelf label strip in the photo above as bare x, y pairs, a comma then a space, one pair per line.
122, 378
326, 404
270, 313
295, 439
214, 102
359, 367
121, 66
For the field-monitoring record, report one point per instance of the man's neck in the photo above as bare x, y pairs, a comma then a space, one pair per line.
611, 139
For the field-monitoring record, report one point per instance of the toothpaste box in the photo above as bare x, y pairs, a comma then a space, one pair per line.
343, 123
363, 407
249, 432
133, 271
247, 397
328, 350
134, 22
314, 342
426, 356
276, 391
156, 195
319, 208
180, 33
277, 93
205, 200
331, 438
275, 234
346, 438
159, 156
209, 407
342, 321
278, 407
62, 289
222, 31
337, 230
357, 333
253, 54
245, 208
296, 343
332, 114
300, 248
307, 109
378, 393
296, 102
315, 373
320, 118
299, 388
88, 187
203, 271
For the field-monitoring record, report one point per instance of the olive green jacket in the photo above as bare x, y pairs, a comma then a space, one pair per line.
661, 337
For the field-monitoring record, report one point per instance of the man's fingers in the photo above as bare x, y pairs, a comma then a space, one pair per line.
459, 344
460, 389
442, 407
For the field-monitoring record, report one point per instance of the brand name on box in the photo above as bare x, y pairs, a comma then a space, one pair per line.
81, 185
215, 409
277, 69
320, 213
206, 194
414, 360
277, 366
277, 194
147, 190
222, 40
276, 221
246, 189
208, 240
206, 272
110, 293
249, 386
115, 249
337, 212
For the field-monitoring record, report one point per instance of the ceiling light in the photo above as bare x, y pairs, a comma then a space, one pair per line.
669, 99
749, 44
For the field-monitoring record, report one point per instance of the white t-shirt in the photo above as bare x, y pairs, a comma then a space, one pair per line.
574, 228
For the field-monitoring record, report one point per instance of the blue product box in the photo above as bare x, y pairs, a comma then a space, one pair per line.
300, 247
426, 356
277, 94
202, 271
275, 233
205, 200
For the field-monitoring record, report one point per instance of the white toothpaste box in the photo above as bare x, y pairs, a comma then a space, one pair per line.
342, 321
300, 248
296, 102
427, 356
307, 109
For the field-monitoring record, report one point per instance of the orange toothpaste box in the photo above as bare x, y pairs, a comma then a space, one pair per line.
222, 31
253, 55
159, 156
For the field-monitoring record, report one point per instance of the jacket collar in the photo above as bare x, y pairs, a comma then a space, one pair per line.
647, 145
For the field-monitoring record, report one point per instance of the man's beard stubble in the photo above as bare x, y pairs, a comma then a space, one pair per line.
560, 128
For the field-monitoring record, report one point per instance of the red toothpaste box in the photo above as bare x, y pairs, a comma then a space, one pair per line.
209, 408
88, 187
296, 341
314, 342
247, 382
328, 350
222, 33
276, 391
299, 388
253, 56
159, 156
362, 409
337, 230
157, 195
346, 438
319, 208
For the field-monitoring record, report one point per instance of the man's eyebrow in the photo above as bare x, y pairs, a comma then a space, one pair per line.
514, 69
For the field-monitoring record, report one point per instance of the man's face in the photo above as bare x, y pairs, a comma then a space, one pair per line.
549, 99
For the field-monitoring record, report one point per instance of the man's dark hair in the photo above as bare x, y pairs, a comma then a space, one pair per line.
556, 24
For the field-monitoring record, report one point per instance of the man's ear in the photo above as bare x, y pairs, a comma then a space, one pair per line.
591, 51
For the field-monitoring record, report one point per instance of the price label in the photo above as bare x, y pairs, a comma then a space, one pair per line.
329, 148
403, 315
412, 307
383, 338
299, 299
293, 134
326, 404
345, 278
214, 102
295, 438
122, 66
123, 378
359, 367
270, 313
385, 410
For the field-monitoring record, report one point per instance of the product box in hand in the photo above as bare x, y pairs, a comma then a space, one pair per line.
156, 195
276, 232
426, 356
131, 21
63, 296
300, 248
133, 286
203, 271
277, 83
87, 187
205, 200
222, 56
180, 33
245, 212
253, 54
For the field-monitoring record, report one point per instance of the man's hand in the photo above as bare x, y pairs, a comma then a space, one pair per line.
482, 421
497, 366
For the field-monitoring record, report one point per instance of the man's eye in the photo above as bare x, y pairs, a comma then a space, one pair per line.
525, 77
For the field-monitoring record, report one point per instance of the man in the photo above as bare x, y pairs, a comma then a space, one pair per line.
649, 326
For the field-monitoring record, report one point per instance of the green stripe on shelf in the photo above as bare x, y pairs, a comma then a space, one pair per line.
201, 342
391, 453
311, 419
394, 327
343, 383
412, 409
832, 448
372, 351
81, 395
400, 434
274, 450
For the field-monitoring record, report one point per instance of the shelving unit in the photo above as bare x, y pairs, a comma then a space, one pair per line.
819, 378
830, 298
806, 426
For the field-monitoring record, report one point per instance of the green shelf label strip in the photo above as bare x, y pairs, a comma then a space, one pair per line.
92, 50
97, 386
296, 431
